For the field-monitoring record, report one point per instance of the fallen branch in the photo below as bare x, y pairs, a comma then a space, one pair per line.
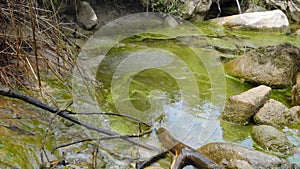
65, 114
184, 155
153, 159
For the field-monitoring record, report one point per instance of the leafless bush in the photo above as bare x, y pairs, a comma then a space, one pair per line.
31, 43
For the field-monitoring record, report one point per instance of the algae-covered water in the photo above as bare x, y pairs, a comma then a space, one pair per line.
172, 78
162, 81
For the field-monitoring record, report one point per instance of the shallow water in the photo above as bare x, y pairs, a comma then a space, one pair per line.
161, 81
170, 81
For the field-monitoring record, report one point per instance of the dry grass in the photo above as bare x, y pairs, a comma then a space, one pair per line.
31, 43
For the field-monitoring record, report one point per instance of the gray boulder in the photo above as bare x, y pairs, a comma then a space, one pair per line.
269, 19
233, 156
275, 66
290, 7
240, 108
272, 140
274, 113
86, 16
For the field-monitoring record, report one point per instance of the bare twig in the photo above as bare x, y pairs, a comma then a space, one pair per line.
33, 26
153, 159
104, 138
65, 114
114, 114
95, 153
45, 137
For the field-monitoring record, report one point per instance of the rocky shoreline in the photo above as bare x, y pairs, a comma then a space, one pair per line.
267, 67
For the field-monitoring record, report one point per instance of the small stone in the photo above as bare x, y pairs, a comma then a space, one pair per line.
298, 75
86, 16
273, 113
296, 95
297, 32
272, 140
240, 108
295, 113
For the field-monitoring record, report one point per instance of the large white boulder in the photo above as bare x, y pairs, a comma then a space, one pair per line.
269, 19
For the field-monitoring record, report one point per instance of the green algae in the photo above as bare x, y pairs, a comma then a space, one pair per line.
23, 151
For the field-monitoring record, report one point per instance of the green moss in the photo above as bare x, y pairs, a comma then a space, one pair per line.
23, 151
235, 132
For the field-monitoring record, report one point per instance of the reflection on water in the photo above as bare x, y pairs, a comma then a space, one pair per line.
165, 78
172, 90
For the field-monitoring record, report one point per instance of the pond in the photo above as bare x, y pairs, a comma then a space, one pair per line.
168, 76
163, 74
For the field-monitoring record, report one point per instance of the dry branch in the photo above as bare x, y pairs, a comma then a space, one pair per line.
65, 114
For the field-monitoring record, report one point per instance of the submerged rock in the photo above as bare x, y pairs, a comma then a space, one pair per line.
86, 16
240, 108
272, 140
273, 113
275, 66
233, 156
275, 19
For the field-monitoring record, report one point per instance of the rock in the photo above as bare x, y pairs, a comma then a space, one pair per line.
187, 9
295, 113
240, 164
240, 108
195, 8
274, 66
231, 156
295, 166
228, 7
298, 76
86, 16
275, 19
273, 113
296, 95
296, 90
290, 7
169, 21
272, 140
297, 32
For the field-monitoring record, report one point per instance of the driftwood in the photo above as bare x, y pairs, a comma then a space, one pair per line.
67, 115
183, 154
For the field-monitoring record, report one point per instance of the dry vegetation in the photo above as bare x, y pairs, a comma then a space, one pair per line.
32, 43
